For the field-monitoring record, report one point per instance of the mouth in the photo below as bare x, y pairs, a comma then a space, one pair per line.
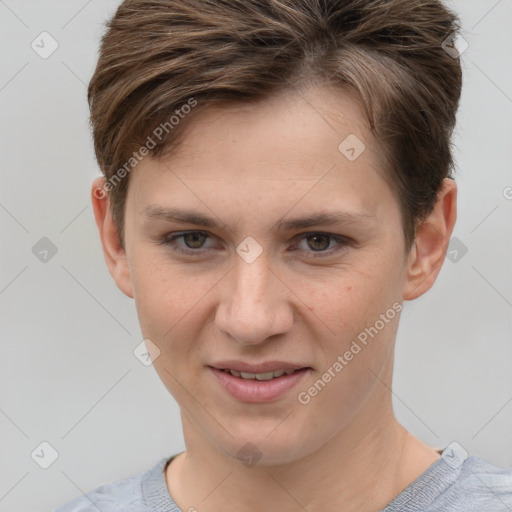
259, 386
270, 375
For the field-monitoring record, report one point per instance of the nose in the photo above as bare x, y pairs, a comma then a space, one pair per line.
254, 303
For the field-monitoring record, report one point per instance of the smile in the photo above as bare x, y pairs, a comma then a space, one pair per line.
260, 376
259, 387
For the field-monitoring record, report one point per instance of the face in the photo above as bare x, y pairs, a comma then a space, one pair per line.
280, 248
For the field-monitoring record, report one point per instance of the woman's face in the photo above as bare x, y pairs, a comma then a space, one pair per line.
260, 282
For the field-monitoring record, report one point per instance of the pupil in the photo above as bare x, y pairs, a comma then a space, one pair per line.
194, 240
318, 246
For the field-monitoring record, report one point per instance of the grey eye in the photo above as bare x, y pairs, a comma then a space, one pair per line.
318, 242
194, 240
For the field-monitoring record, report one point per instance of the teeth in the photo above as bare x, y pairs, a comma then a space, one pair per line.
260, 376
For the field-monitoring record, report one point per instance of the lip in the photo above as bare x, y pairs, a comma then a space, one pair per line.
258, 391
267, 366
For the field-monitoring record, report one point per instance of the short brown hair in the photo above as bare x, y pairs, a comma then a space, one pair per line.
158, 55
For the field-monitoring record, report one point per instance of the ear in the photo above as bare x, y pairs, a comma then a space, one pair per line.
431, 243
115, 255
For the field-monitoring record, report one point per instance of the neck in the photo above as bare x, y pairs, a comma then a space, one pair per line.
361, 470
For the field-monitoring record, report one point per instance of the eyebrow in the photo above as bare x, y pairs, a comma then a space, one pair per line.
192, 217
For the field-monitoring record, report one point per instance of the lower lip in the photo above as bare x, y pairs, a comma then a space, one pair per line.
252, 390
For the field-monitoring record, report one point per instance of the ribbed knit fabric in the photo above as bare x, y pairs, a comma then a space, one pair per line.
454, 483
457, 483
154, 489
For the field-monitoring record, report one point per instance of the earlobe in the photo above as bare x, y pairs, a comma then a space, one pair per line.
431, 243
114, 253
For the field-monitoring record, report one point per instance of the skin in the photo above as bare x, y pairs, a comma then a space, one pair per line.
250, 166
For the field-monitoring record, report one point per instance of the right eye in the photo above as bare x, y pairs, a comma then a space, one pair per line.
193, 240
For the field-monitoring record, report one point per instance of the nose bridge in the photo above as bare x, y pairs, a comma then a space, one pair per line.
251, 284
254, 306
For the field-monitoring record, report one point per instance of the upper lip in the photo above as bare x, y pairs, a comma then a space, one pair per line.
267, 366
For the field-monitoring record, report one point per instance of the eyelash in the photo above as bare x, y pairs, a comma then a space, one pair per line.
169, 240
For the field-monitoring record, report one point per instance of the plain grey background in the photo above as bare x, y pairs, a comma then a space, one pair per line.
68, 375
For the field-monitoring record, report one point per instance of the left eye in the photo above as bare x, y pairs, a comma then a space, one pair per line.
320, 242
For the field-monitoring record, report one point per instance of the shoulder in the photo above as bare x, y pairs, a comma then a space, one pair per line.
122, 495
479, 486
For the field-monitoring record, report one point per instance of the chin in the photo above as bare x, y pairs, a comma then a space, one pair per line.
274, 450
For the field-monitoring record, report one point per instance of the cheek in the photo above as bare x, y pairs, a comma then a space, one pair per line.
171, 313
164, 290
351, 300
169, 303
351, 326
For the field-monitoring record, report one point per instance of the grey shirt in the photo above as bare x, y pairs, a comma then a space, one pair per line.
454, 483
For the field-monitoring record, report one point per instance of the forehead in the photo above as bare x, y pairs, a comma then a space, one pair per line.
312, 144
292, 125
